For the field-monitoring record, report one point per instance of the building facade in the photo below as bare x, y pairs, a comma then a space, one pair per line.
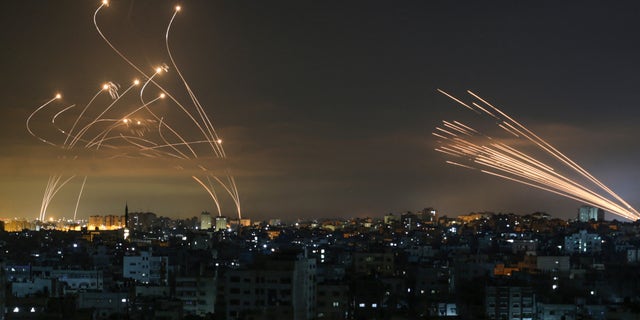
198, 294
205, 221
513, 303
282, 286
146, 268
588, 213
583, 242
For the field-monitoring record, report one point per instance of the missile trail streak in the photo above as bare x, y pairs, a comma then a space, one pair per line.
129, 126
507, 162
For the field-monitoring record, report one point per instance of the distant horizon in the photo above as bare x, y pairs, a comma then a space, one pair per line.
608, 216
323, 108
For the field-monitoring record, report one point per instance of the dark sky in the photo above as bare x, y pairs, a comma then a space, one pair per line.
326, 108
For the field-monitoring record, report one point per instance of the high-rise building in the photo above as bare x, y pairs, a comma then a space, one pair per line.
96, 221
108, 222
390, 219
205, 220
588, 213
221, 223
141, 221
429, 215
409, 220
282, 286
17, 225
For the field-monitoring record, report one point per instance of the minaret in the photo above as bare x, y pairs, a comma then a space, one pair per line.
126, 221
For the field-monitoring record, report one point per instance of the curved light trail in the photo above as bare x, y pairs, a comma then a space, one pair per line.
134, 126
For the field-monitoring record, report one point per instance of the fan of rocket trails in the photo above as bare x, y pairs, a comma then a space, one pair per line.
459, 141
134, 126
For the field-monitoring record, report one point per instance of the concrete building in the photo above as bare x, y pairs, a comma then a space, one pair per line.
79, 280
588, 213
391, 219
205, 221
141, 221
633, 255
221, 223
332, 301
433, 280
429, 215
244, 222
409, 221
282, 286
17, 273
370, 263
583, 243
522, 245
35, 286
104, 305
557, 311
146, 290
553, 263
108, 222
17, 225
513, 303
146, 268
198, 294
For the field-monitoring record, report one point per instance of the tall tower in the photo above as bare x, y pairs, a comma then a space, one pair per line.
126, 221
588, 213
126, 215
205, 221
221, 223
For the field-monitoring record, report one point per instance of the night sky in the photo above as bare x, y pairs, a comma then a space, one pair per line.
326, 108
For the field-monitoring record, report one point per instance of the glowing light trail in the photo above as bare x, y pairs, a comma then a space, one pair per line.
504, 161
137, 126
75, 212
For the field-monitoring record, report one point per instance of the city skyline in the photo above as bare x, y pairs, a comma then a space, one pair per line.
326, 110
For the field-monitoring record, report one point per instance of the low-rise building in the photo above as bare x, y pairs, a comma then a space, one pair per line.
198, 294
507, 302
146, 268
583, 243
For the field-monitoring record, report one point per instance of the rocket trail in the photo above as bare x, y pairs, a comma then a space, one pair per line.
75, 212
123, 125
36, 111
507, 162
211, 192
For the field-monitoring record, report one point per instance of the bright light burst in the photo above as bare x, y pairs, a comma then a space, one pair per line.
135, 125
471, 149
